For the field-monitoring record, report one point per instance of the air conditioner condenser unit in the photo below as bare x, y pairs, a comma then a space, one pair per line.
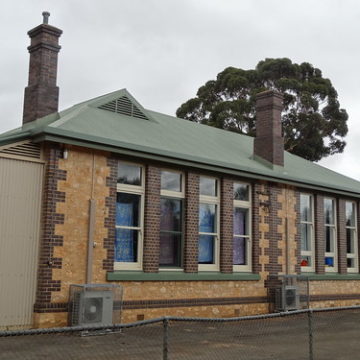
93, 307
287, 298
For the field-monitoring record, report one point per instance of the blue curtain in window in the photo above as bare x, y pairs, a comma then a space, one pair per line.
206, 249
124, 246
206, 242
239, 246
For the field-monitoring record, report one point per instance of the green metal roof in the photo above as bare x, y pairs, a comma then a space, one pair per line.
171, 139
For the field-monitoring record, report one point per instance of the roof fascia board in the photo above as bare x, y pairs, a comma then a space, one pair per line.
14, 137
202, 166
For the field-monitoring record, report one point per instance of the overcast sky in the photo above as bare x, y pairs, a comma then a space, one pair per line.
162, 51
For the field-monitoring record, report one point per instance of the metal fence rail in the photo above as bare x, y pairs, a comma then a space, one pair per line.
311, 334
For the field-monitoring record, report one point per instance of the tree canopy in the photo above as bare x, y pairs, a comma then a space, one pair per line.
314, 125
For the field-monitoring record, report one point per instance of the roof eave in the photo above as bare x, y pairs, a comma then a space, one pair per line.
53, 136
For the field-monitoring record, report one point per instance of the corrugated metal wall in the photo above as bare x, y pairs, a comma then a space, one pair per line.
20, 207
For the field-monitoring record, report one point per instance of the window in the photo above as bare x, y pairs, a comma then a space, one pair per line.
307, 232
351, 237
129, 217
330, 235
171, 219
208, 224
242, 226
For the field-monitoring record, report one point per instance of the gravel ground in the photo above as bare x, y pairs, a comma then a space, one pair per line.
335, 336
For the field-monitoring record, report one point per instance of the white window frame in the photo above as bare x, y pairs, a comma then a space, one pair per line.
175, 195
137, 190
212, 200
354, 256
310, 253
334, 230
245, 205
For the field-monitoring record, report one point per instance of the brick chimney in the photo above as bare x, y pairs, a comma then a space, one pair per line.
269, 143
42, 95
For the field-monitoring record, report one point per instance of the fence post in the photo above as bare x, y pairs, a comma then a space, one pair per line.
165, 338
310, 324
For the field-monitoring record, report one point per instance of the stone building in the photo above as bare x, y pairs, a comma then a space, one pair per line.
189, 219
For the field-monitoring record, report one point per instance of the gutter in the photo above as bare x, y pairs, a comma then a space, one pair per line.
10, 138
188, 163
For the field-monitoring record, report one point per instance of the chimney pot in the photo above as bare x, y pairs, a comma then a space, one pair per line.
269, 143
45, 15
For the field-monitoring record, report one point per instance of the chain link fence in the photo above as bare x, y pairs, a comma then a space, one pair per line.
310, 334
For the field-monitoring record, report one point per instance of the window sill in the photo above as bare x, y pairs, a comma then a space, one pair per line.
179, 276
333, 276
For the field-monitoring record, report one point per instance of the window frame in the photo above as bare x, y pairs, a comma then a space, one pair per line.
211, 200
243, 204
333, 226
135, 190
310, 253
180, 195
354, 229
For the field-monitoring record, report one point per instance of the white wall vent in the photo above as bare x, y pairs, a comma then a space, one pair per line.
22, 149
124, 106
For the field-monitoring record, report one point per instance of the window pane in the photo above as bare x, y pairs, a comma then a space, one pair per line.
350, 214
206, 249
127, 209
171, 181
129, 174
306, 261
207, 186
350, 241
305, 237
329, 239
350, 263
126, 244
329, 261
170, 249
170, 214
207, 218
305, 207
241, 192
241, 221
239, 251
329, 211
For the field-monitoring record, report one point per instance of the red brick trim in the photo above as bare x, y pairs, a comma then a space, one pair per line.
226, 225
51, 196
319, 235
256, 190
146, 304
298, 233
109, 222
152, 219
274, 268
191, 221
159, 303
341, 236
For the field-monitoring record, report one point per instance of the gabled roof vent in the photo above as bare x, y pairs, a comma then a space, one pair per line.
24, 149
124, 106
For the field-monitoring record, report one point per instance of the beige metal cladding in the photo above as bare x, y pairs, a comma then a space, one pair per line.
20, 206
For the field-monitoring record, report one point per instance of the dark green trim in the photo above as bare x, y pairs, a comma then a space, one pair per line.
316, 277
164, 158
14, 138
179, 276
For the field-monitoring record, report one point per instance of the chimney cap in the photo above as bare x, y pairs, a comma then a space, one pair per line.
45, 15
270, 93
